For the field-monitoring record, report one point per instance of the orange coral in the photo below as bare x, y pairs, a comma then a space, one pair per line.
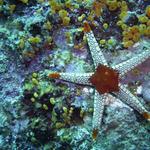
97, 7
131, 35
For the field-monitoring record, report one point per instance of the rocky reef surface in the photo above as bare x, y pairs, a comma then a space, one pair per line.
42, 36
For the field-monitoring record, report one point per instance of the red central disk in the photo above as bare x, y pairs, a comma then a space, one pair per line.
105, 79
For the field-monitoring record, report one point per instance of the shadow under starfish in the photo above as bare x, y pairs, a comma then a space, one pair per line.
105, 79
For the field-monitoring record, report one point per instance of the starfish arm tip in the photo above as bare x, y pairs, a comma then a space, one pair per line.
146, 115
95, 133
54, 75
86, 27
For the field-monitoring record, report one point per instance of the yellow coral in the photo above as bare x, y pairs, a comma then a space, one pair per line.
131, 35
134, 29
124, 26
59, 125
34, 40
55, 6
24, 1
102, 42
120, 23
49, 39
63, 13
80, 18
147, 11
148, 22
21, 43
124, 6
143, 18
35, 81
111, 41
33, 99
34, 75
97, 8
128, 44
122, 15
45, 107
68, 4
127, 34
48, 25
105, 26
52, 101
66, 21
35, 95
91, 16
112, 5
1, 2
65, 109
136, 37
142, 29
12, 8
147, 33
119, 4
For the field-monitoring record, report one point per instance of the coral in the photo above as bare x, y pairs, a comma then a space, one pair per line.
112, 5
66, 21
24, 1
34, 40
143, 19
12, 8
102, 42
63, 13
130, 36
147, 11
97, 7
1, 2
105, 26
41, 104
48, 25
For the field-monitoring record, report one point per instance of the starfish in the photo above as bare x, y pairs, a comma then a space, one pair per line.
105, 79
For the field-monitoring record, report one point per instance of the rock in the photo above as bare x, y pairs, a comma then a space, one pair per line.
146, 91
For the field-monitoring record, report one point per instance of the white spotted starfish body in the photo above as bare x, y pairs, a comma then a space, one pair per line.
105, 80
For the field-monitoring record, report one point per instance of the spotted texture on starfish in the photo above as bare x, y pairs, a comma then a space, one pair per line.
100, 80
128, 65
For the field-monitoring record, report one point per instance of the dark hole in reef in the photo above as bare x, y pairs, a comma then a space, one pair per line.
43, 136
65, 146
35, 29
27, 97
76, 118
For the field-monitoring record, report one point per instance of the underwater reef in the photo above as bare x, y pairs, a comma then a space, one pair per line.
46, 49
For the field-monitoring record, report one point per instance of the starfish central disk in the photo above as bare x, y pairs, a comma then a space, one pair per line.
105, 80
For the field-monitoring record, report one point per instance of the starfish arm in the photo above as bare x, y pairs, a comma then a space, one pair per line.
99, 101
79, 78
127, 97
128, 65
96, 52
